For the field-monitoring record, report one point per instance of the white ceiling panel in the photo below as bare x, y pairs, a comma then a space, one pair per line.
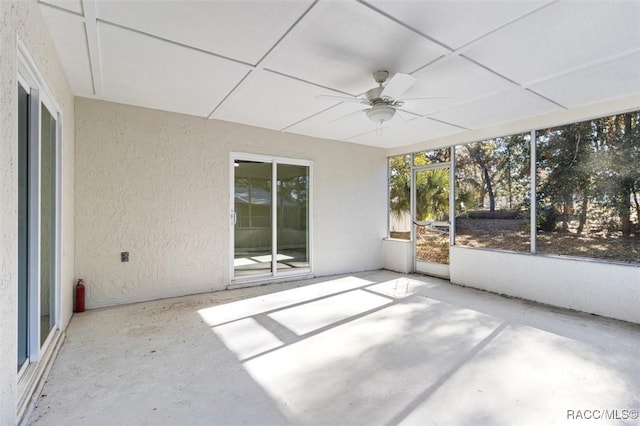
455, 23
144, 71
399, 133
339, 44
455, 78
264, 62
74, 6
559, 38
242, 30
606, 81
340, 122
69, 36
273, 101
506, 106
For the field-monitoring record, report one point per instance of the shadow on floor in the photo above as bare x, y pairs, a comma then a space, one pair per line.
375, 348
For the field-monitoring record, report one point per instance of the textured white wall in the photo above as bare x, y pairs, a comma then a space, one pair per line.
156, 184
608, 289
24, 19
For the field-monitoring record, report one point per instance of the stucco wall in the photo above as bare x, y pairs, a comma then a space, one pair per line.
156, 184
23, 18
607, 289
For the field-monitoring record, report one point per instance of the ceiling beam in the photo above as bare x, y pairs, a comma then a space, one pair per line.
91, 28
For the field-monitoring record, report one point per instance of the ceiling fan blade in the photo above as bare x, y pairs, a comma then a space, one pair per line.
344, 99
403, 115
426, 98
398, 84
406, 112
351, 114
425, 106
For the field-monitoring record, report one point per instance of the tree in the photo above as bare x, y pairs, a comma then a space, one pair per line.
514, 169
596, 165
432, 186
432, 194
497, 168
476, 151
621, 137
399, 185
564, 156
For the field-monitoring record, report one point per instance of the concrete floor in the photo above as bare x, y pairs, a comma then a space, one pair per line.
374, 348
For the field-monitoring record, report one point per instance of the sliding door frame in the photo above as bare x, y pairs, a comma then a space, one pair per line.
40, 96
275, 273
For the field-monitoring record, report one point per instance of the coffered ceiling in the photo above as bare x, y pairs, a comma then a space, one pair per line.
265, 62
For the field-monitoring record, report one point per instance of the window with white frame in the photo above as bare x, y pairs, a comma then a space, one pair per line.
585, 202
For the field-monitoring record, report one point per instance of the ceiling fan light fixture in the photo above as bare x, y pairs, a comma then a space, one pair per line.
380, 113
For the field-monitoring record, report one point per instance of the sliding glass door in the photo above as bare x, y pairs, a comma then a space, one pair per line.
252, 227
23, 226
38, 221
47, 222
270, 217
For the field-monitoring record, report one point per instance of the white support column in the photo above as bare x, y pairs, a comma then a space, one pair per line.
532, 208
452, 197
412, 204
274, 217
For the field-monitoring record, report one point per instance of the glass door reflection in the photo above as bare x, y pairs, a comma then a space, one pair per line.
292, 217
253, 223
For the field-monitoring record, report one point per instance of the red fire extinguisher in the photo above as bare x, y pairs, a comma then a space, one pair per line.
80, 296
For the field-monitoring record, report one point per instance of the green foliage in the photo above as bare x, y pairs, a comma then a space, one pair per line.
400, 185
432, 187
588, 177
432, 194
590, 171
495, 170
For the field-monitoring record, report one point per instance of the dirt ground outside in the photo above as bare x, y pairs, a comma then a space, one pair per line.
435, 247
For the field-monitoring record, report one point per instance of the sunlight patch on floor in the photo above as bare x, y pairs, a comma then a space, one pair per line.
384, 357
399, 288
221, 314
321, 313
247, 338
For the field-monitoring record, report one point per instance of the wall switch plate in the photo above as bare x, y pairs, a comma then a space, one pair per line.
124, 256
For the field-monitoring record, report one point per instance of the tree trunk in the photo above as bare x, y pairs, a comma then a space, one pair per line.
583, 212
626, 188
625, 208
510, 189
637, 203
487, 180
627, 124
566, 207
492, 198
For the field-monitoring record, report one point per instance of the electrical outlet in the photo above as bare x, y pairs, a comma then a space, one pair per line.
124, 256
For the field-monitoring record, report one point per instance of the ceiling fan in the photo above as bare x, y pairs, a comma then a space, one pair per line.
383, 100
